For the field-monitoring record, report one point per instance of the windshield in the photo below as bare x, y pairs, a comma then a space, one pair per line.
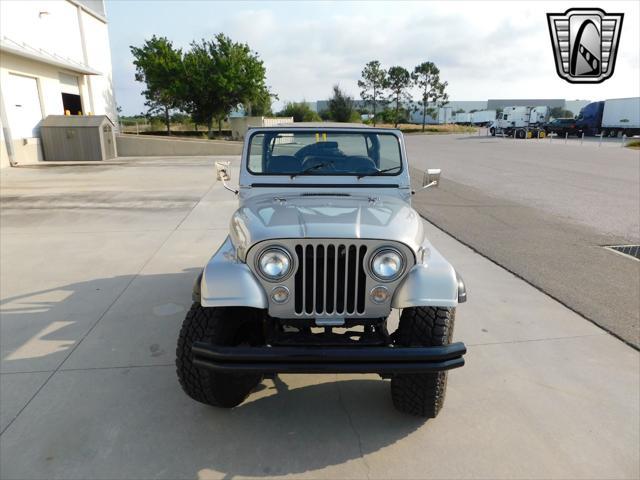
324, 153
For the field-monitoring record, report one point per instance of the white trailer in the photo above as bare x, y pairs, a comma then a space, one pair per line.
621, 116
462, 118
518, 122
445, 115
483, 117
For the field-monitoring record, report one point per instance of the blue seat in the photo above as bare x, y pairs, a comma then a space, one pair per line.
356, 164
283, 164
362, 163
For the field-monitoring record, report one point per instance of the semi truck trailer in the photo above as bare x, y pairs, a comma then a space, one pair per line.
445, 115
611, 118
483, 117
462, 118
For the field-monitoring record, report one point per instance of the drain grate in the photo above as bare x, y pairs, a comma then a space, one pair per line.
632, 251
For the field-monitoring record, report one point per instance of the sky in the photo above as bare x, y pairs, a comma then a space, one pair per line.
497, 49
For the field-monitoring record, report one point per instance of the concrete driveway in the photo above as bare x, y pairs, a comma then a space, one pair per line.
97, 267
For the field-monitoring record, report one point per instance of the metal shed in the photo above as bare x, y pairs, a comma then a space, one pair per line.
78, 138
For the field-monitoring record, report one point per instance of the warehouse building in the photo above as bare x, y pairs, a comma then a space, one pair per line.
574, 106
468, 106
54, 60
499, 104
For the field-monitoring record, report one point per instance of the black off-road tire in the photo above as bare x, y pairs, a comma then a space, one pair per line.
492, 131
422, 394
227, 326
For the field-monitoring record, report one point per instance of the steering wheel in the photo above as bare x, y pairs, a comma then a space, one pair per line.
320, 148
324, 164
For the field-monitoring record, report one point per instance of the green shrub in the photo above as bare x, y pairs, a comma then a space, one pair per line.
325, 115
388, 116
301, 112
341, 106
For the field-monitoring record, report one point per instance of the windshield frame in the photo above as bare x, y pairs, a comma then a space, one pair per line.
318, 130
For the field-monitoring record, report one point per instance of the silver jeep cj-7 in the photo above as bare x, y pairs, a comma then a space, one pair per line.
323, 245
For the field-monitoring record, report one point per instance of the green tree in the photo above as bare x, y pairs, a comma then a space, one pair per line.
373, 84
399, 82
261, 106
159, 65
341, 106
389, 115
559, 112
301, 112
426, 77
205, 98
221, 75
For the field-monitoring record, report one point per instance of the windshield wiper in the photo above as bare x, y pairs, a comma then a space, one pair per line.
378, 172
311, 169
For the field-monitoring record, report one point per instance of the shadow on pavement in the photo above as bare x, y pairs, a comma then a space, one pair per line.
292, 431
41, 328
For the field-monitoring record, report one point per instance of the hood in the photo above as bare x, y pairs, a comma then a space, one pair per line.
326, 216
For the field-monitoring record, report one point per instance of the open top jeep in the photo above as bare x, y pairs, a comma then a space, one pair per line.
323, 245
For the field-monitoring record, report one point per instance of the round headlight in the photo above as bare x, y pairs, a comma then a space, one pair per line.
387, 264
274, 263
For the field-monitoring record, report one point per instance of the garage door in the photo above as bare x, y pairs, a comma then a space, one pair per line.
71, 101
24, 106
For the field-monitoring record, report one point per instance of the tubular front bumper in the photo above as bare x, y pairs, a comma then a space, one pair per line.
356, 359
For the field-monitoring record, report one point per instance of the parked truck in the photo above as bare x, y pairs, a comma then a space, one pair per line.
589, 119
611, 118
521, 122
483, 117
539, 116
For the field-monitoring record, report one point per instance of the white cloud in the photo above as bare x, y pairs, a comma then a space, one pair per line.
484, 49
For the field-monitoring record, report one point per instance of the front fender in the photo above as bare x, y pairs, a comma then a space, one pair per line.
434, 283
228, 282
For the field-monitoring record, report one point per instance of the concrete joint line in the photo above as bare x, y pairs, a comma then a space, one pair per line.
351, 424
87, 369
533, 340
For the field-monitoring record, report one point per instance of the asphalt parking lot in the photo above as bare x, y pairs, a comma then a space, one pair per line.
544, 211
97, 267
596, 187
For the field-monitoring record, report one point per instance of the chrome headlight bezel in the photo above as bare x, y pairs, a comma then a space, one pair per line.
380, 252
279, 251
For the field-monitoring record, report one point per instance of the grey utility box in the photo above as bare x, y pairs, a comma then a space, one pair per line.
78, 138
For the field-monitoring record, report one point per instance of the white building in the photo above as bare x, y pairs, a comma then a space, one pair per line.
54, 59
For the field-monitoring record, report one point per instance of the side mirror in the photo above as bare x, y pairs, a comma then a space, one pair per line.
222, 174
221, 171
431, 178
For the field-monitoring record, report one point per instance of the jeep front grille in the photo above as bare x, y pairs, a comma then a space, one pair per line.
330, 279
